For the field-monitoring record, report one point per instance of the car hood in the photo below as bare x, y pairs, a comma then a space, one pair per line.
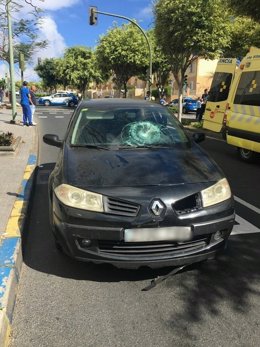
84, 167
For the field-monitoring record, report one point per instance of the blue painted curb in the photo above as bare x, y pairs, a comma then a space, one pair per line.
11, 258
7, 252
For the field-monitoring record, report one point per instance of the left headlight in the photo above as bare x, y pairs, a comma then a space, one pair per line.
217, 193
79, 198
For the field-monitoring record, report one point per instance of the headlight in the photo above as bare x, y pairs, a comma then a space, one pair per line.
79, 198
216, 193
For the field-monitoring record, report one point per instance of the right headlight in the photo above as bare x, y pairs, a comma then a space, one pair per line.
217, 193
79, 198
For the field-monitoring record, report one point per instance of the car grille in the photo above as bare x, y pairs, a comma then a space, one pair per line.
151, 249
120, 207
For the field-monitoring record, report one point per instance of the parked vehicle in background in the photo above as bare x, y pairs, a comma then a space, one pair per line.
188, 105
132, 189
74, 100
218, 95
242, 118
58, 99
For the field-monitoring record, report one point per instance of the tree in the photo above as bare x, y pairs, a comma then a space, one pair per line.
244, 33
25, 32
187, 29
48, 71
249, 8
161, 66
78, 67
122, 52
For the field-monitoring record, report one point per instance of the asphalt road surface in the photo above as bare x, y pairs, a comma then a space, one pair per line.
64, 303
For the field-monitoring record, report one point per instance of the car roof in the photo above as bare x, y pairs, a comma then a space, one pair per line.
118, 102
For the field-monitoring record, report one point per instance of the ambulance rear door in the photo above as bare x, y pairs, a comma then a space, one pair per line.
243, 114
218, 94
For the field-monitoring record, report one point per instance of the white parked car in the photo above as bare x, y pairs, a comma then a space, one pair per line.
56, 99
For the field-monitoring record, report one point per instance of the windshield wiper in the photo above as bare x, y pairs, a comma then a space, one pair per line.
158, 145
91, 146
157, 280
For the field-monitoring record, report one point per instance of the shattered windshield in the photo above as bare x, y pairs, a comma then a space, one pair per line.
127, 127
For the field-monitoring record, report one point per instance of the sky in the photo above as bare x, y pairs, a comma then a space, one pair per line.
66, 23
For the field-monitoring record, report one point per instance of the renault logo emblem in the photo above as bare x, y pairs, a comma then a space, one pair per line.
157, 207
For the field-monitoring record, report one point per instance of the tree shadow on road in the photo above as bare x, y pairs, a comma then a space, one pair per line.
229, 281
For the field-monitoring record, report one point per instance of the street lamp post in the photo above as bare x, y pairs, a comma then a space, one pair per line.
93, 11
11, 61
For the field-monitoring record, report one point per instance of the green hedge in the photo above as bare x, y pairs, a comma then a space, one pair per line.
167, 92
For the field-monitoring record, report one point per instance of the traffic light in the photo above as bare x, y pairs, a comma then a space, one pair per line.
93, 15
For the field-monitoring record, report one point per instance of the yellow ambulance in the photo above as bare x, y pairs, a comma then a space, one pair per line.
242, 117
218, 94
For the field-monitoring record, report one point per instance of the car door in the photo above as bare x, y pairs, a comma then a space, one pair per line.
56, 99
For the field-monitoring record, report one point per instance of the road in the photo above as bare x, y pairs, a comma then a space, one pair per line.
66, 303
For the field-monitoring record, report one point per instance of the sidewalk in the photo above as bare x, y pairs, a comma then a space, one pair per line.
16, 176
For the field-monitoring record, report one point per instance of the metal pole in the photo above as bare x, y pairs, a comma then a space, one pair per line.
11, 61
148, 43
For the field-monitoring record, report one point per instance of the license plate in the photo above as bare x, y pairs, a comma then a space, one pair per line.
158, 234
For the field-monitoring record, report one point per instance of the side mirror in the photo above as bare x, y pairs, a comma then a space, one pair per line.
198, 137
52, 140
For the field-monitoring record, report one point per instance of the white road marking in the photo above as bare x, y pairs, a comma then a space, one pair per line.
59, 117
251, 207
42, 116
244, 227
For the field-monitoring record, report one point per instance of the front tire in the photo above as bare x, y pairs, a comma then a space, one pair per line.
71, 104
185, 110
246, 154
47, 103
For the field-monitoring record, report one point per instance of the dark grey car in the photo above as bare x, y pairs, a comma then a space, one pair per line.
130, 188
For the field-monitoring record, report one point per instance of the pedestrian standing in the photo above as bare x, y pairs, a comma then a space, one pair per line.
204, 98
25, 103
33, 101
198, 111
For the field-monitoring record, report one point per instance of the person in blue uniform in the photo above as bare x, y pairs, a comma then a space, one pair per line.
25, 103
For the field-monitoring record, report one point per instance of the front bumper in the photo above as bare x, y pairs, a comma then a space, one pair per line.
99, 238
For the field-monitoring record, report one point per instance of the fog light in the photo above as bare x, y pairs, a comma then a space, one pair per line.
85, 243
218, 235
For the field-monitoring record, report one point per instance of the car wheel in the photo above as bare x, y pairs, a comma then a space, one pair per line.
71, 104
246, 154
184, 110
47, 103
